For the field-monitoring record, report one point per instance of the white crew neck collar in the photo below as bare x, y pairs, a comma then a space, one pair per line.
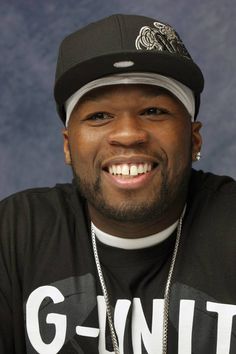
136, 243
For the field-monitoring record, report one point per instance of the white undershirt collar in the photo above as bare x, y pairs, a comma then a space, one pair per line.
136, 243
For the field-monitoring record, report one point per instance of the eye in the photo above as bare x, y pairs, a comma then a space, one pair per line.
153, 111
99, 116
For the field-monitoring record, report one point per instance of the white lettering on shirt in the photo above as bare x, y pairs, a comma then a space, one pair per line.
120, 316
186, 313
143, 333
224, 328
152, 340
32, 322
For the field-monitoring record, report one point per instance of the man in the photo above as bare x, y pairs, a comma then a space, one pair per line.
137, 255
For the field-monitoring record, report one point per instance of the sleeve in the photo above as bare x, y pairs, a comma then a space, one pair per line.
6, 321
11, 310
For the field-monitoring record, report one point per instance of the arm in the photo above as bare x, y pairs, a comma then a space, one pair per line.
11, 308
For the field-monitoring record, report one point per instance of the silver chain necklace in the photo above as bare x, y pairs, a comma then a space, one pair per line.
166, 294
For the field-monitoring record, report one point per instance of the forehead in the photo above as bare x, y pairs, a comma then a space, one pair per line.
148, 91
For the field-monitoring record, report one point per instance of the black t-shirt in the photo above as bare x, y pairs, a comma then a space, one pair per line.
50, 296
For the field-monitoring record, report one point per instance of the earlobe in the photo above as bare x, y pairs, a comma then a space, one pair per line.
66, 147
67, 158
196, 141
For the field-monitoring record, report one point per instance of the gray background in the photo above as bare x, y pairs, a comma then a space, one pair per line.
30, 33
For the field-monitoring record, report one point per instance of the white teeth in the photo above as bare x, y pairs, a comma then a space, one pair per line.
114, 169
118, 170
130, 170
125, 170
133, 170
140, 168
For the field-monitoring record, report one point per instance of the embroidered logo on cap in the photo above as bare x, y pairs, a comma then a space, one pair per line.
160, 37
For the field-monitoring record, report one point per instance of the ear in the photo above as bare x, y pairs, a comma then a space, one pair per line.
66, 147
196, 140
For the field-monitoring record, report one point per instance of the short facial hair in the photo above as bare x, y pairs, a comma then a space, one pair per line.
153, 208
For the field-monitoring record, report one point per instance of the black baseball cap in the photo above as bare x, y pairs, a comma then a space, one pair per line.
120, 44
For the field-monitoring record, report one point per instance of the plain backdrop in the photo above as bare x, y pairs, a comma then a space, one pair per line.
30, 33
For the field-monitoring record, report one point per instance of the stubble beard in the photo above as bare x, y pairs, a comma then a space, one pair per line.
154, 207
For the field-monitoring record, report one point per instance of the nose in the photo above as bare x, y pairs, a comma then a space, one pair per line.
128, 131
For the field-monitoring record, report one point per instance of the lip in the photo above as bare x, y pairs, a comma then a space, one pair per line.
134, 159
131, 183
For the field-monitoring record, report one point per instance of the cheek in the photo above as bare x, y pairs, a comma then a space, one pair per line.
176, 137
84, 147
176, 143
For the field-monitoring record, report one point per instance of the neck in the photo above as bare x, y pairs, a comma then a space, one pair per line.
137, 229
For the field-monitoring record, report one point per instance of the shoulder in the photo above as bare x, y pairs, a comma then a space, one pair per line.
212, 204
36, 204
34, 215
212, 186
38, 195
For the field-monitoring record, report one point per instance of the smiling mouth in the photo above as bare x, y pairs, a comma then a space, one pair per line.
130, 170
